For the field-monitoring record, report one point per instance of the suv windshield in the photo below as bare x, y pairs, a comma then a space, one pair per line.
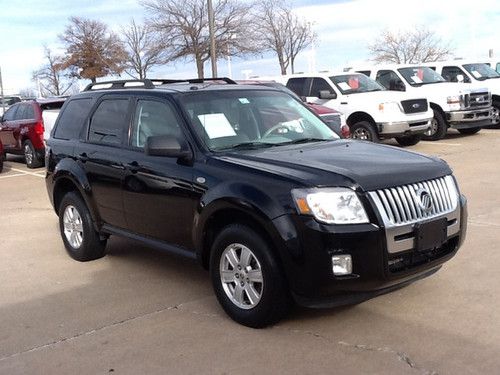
355, 83
420, 75
252, 119
481, 71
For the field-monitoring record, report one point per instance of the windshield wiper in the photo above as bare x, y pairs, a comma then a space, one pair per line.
305, 140
245, 145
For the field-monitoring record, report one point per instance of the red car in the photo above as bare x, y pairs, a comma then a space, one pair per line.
2, 156
334, 119
22, 129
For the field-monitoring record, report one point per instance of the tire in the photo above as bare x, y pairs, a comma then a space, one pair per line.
1, 163
410, 140
30, 155
271, 298
469, 131
496, 115
438, 128
365, 131
81, 240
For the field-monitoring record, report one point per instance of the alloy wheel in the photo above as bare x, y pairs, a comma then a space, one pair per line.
28, 154
361, 134
73, 226
241, 276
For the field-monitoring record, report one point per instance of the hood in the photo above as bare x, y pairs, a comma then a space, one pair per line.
367, 165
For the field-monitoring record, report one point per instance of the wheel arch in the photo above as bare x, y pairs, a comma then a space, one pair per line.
359, 116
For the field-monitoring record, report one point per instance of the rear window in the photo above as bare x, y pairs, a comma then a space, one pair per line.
72, 119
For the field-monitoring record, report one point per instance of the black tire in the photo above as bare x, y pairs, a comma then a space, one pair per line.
469, 131
438, 128
91, 247
275, 300
410, 140
1, 163
496, 115
365, 131
30, 155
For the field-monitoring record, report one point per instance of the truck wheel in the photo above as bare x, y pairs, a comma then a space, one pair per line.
469, 130
30, 156
365, 131
410, 140
246, 277
81, 240
495, 119
438, 128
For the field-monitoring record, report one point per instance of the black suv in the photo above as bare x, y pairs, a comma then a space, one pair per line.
253, 185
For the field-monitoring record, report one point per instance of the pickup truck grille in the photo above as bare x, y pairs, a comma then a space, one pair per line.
414, 105
477, 100
415, 202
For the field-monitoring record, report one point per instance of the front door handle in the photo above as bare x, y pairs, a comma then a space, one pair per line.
133, 167
83, 157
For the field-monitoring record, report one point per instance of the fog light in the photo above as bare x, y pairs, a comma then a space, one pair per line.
342, 264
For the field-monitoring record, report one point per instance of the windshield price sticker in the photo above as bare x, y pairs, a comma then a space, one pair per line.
216, 125
476, 74
416, 79
244, 101
345, 86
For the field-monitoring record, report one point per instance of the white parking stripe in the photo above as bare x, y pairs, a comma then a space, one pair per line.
26, 172
13, 175
441, 143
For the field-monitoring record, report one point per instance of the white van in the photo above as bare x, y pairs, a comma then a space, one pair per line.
458, 106
372, 112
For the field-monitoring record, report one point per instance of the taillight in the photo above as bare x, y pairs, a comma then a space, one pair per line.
346, 133
39, 128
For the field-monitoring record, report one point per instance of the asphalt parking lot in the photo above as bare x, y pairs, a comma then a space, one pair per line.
140, 311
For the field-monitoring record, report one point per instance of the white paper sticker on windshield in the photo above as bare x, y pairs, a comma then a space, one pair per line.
294, 125
416, 79
345, 86
244, 100
216, 125
476, 74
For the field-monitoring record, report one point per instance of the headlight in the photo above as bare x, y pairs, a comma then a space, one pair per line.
389, 107
455, 99
330, 205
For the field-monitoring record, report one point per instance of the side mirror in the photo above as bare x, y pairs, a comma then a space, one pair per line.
460, 78
167, 145
327, 95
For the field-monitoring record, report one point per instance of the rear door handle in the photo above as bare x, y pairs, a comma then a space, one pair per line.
133, 167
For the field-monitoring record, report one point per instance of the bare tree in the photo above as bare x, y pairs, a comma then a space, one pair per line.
283, 32
51, 77
92, 51
408, 47
144, 50
183, 26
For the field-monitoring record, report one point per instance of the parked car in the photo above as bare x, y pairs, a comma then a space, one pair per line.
474, 74
372, 112
334, 119
253, 185
2, 156
454, 105
22, 129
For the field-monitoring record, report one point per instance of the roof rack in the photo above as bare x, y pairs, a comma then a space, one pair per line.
151, 83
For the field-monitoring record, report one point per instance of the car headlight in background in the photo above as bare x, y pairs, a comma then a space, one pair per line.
455, 101
330, 205
389, 107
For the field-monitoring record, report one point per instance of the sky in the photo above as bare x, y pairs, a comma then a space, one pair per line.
344, 28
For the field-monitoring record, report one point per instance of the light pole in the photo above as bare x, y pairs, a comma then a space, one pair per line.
211, 32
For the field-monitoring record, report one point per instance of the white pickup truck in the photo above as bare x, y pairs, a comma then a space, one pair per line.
473, 74
456, 106
372, 112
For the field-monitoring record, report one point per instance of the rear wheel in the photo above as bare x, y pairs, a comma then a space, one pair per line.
365, 131
469, 130
81, 240
30, 155
410, 140
438, 128
246, 277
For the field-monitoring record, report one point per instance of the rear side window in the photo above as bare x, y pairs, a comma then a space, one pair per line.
297, 85
29, 112
109, 121
71, 120
21, 109
10, 114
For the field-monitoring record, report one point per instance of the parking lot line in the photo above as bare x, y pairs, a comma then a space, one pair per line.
29, 173
441, 143
13, 175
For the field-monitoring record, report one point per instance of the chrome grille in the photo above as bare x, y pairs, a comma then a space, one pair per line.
477, 100
402, 205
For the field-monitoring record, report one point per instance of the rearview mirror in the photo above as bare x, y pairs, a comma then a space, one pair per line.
327, 95
167, 145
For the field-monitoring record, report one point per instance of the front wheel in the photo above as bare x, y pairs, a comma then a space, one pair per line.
410, 140
246, 277
365, 131
438, 128
81, 240
469, 131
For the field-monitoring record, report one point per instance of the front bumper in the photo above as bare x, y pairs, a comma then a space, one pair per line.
403, 128
470, 119
375, 270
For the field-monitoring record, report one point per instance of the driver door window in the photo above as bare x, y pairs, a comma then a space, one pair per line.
390, 80
153, 118
320, 84
451, 73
